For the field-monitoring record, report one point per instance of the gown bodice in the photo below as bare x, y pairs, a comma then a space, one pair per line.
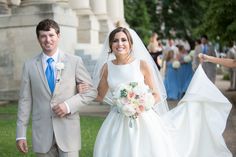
118, 74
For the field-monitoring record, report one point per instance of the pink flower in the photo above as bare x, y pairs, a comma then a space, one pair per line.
131, 95
141, 108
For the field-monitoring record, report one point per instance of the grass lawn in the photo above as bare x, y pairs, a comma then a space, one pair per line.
8, 112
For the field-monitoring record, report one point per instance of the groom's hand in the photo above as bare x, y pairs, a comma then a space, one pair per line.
22, 146
82, 87
60, 110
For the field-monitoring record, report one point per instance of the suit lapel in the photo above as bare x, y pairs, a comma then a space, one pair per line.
62, 58
41, 72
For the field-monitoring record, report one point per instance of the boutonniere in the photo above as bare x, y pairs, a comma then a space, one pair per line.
59, 67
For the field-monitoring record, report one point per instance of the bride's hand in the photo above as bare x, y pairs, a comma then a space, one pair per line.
202, 57
82, 87
156, 97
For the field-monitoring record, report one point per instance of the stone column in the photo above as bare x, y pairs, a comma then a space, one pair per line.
19, 41
115, 11
100, 10
14, 3
4, 9
36, 2
63, 2
88, 27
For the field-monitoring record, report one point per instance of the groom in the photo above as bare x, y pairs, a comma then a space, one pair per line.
48, 92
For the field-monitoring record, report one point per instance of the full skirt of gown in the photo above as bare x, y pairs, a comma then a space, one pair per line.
192, 129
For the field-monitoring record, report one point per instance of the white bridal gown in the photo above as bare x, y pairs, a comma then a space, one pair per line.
192, 129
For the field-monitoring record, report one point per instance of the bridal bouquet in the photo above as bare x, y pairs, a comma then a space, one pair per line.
187, 59
176, 64
133, 98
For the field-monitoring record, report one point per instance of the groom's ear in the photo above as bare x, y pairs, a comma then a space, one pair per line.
59, 35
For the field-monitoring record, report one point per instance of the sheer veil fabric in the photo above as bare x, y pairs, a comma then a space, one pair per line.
139, 51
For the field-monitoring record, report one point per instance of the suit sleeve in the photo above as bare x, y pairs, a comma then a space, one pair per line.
79, 100
195, 58
24, 105
212, 51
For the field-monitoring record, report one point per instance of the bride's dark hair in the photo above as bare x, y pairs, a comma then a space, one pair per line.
117, 30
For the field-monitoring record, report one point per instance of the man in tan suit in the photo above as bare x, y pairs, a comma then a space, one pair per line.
205, 48
48, 92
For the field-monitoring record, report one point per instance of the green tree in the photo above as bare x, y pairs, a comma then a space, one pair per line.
154, 17
182, 17
219, 22
136, 15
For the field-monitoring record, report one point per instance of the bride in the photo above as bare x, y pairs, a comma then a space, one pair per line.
192, 129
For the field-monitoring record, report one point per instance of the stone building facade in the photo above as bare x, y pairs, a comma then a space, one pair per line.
84, 25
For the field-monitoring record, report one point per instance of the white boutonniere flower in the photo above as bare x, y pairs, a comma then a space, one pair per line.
59, 67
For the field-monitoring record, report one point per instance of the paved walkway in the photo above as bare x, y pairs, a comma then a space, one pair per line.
230, 131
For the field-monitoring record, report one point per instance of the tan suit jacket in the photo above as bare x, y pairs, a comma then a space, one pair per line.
36, 99
209, 68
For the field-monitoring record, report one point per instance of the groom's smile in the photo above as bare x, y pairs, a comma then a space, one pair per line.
48, 41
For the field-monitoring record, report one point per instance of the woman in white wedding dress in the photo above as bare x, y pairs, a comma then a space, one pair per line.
192, 129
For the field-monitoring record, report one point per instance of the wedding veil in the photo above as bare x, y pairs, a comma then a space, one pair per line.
139, 51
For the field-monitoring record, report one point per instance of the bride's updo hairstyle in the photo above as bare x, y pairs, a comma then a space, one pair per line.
117, 30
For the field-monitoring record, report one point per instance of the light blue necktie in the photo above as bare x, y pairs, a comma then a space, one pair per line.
50, 74
204, 51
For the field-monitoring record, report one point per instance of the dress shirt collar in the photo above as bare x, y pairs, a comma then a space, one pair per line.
55, 57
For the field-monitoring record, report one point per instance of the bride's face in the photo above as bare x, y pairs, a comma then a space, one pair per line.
120, 44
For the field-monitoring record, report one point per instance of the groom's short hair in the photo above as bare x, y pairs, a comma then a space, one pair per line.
46, 24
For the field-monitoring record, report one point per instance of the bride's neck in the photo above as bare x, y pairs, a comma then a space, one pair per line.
123, 59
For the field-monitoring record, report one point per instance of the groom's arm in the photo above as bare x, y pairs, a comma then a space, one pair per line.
24, 110
81, 99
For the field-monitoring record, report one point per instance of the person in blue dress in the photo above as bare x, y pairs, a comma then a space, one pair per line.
185, 72
171, 81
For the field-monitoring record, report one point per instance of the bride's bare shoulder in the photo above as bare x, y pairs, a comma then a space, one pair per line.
143, 64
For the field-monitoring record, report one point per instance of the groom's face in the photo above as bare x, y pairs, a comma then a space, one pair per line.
120, 44
48, 41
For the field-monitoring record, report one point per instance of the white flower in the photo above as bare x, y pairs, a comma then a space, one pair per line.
60, 66
191, 53
187, 59
128, 110
176, 64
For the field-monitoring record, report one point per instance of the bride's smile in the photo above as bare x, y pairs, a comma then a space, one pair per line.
120, 44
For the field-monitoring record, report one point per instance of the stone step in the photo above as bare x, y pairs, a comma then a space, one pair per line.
87, 59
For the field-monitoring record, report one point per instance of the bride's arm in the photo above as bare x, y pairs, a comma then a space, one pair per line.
231, 63
148, 79
103, 85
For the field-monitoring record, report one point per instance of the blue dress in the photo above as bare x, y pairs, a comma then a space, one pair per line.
172, 82
185, 76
